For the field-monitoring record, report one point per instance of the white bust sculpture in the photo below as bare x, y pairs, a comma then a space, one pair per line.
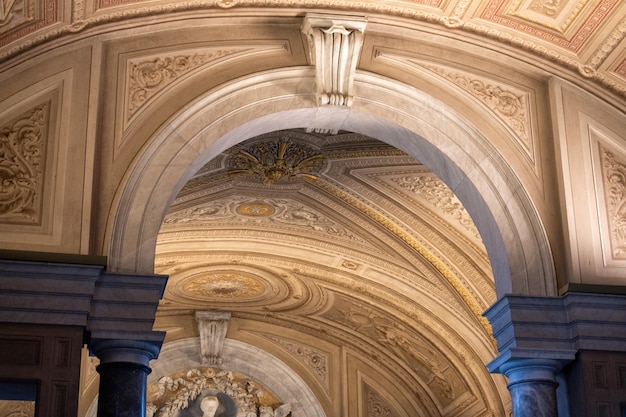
209, 405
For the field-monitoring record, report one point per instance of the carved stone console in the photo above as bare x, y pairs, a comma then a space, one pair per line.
212, 326
335, 44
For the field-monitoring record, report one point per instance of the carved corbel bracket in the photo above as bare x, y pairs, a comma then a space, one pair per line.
212, 326
334, 46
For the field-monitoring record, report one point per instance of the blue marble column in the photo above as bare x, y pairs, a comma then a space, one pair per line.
124, 367
532, 383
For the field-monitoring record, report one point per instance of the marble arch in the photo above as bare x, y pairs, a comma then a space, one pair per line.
397, 114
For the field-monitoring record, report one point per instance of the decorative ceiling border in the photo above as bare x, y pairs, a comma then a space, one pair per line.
588, 70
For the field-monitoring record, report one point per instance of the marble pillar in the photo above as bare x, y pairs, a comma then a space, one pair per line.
124, 368
533, 384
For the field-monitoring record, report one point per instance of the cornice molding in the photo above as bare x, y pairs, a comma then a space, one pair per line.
556, 327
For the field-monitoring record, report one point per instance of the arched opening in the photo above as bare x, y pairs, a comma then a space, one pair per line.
408, 121
327, 258
399, 115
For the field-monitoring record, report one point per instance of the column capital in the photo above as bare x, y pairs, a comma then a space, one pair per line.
542, 367
139, 352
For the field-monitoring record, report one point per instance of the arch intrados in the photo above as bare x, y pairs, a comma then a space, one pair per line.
383, 109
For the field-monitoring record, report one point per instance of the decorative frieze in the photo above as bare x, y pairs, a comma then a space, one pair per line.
577, 12
22, 164
276, 211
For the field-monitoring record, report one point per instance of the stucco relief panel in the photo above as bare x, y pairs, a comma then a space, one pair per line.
615, 190
591, 146
148, 76
426, 360
610, 179
33, 163
430, 188
22, 165
14, 13
374, 404
513, 106
315, 359
554, 14
17, 408
376, 391
20, 18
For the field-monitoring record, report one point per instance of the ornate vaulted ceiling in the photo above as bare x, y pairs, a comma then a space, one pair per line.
348, 249
353, 264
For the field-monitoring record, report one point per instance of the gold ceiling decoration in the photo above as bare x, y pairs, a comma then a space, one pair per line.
255, 209
224, 285
275, 161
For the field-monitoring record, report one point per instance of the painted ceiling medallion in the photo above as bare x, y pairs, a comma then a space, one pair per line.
224, 285
275, 161
255, 209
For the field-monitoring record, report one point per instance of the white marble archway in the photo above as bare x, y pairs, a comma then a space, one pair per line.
383, 109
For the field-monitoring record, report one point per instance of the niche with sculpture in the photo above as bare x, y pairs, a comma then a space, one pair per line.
209, 392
